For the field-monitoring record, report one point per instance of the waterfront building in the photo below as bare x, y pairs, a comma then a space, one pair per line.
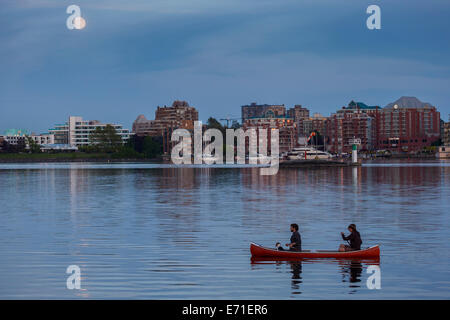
343, 127
76, 131
361, 107
301, 118
356, 120
254, 110
407, 125
43, 139
315, 123
15, 136
286, 126
178, 116
446, 134
443, 151
298, 112
404, 126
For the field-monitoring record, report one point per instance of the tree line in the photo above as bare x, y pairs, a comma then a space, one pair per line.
103, 140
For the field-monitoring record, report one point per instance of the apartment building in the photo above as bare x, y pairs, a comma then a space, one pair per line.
286, 126
446, 134
255, 110
343, 127
178, 116
315, 123
407, 125
76, 131
43, 139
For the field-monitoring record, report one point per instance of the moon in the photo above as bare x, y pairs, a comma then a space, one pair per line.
79, 23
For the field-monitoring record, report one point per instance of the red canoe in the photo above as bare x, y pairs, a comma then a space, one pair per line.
263, 252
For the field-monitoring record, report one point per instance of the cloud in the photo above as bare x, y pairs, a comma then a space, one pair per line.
218, 55
157, 6
222, 83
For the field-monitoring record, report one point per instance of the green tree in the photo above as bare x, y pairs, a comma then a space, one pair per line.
151, 148
13, 148
212, 123
106, 139
33, 147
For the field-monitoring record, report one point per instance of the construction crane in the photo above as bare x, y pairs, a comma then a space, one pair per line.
228, 119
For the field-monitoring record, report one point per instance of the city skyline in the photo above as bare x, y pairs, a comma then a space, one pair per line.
215, 55
312, 114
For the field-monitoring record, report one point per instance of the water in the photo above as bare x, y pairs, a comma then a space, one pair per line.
145, 231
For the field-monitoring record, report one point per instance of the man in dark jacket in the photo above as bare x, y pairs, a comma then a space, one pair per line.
354, 239
296, 240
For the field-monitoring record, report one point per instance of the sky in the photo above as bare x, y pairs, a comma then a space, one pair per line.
218, 55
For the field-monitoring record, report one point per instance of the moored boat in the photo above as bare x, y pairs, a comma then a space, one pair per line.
307, 153
263, 252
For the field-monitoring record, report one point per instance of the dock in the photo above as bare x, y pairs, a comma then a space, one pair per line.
317, 163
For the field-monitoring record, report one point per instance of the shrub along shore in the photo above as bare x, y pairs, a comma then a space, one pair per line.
106, 146
71, 157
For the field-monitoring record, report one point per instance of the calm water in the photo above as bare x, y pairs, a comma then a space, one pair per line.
139, 231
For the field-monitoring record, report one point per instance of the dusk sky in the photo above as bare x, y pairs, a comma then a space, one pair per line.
134, 55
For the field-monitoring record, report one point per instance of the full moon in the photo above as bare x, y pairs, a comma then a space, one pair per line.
79, 23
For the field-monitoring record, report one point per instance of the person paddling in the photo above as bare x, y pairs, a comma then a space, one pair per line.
296, 240
354, 239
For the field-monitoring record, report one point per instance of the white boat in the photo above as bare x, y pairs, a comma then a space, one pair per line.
259, 158
308, 153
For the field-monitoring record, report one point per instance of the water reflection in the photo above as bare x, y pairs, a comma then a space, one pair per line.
351, 270
294, 270
162, 232
296, 267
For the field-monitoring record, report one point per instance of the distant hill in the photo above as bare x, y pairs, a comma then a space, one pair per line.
408, 102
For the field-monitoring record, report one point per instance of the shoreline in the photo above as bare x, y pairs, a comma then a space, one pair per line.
316, 164
100, 160
282, 164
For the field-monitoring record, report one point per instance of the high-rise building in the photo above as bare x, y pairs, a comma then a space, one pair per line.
446, 134
179, 116
315, 123
254, 110
298, 112
343, 127
76, 131
407, 125
300, 116
286, 126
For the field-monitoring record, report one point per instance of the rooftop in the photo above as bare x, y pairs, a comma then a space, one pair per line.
360, 105
408, 102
